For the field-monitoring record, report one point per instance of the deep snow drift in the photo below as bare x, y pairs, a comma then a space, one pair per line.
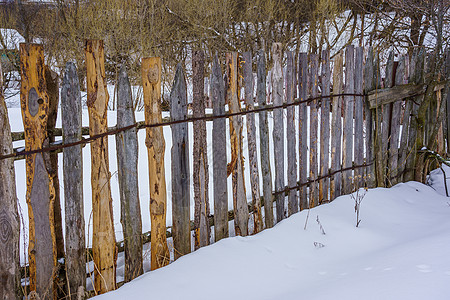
400, 251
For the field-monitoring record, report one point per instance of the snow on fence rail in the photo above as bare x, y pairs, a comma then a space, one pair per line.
372, 138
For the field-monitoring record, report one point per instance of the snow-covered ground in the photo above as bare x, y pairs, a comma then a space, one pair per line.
399, 251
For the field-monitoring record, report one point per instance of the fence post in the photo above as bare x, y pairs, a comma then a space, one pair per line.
180, 166
73, 182
202, 231
264, 139
303, 128
151, 82
336, 132
103, 240
236, 167
10, 283
313, 129
325, 128
251, 137
370, 85
291, 137
447, 101
349, 102
127, 164
40, 192
219, 153
278, 128
359, 118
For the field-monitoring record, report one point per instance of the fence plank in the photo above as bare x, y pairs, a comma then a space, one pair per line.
236, 165
278, 128
251, 137
325, 128
303, 128
127, 164
349, 102
359, 117
219, 153
151, 82
202, 231
313, 129
10, 283
180, 166
103, 240
290, 136
73, 181
395, 127
40, 192
264, 140
370, 85
336, 131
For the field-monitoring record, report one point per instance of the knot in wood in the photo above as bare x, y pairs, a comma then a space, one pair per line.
153, 74
5, 228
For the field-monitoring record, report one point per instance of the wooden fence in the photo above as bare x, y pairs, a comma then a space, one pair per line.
365, 130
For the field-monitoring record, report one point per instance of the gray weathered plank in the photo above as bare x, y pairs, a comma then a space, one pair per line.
278, 128
127, 164
394, 94
336, 131
303, 128
202, 231
180, 166
291, 137
403, 150
217, 91
251, 137
447, 101
313, 130
369, 85
73, 180
10, 283
359, 117
264, 140
349, 102
325, 128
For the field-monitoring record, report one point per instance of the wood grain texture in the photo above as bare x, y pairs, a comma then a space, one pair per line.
103, 239
71, 112
202, 231
313, 130
236, 166
10, 285
324, 161
264, 140
291, 136
154, 140
127, 166
303, 128
40, 193
359, 118
219, 145
369, 85
180, 166
251, 137
349, 104
278, 128
336, 131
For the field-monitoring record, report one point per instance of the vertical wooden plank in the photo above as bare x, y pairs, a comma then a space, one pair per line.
349, 102
303, 128
219, 153
180, 166
103, 240
313, 130
40, 192
251, 137
236, 165
336, 131
369, 85
154, 140
377, 115
73, 182
395, 127
264, 140
325, 128
447, 74
202, 231
278, 128
10, 285
127, 164
290, 137
359, 117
